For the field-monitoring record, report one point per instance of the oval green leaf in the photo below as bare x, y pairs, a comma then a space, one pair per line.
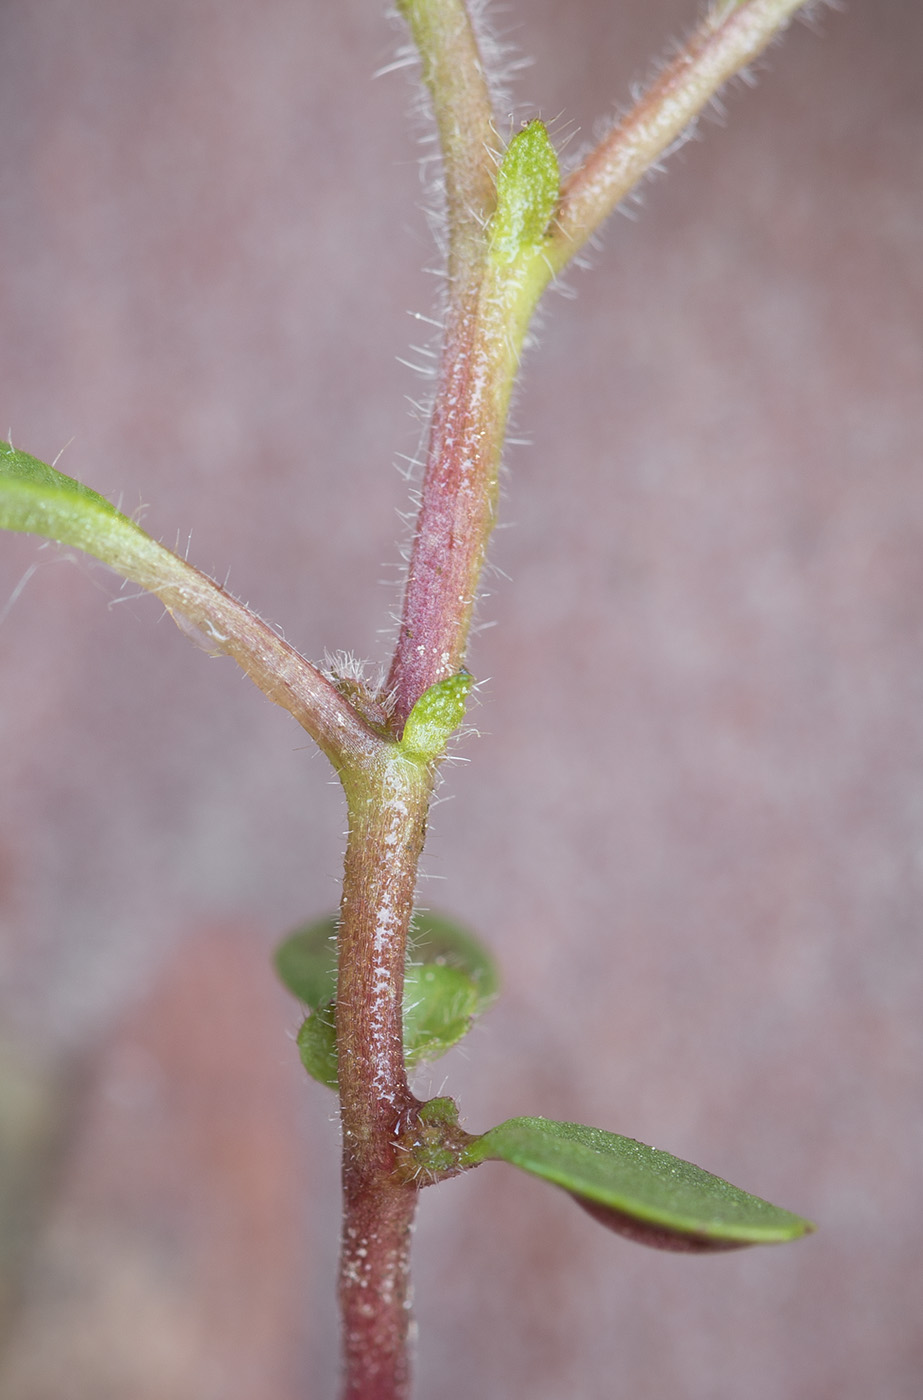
317, 1044
638, 1191
449, 980
434, 939
306, 962
440, 1004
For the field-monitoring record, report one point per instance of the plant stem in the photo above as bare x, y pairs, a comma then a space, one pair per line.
388, 802
41, 500
388, 798
458, 499
458, 504
227, 627
454, 74
374, 1289
491, 297
729, 37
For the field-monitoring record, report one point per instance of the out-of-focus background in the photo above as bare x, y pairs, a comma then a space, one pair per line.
692, 826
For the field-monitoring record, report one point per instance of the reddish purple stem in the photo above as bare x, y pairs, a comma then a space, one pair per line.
457, 512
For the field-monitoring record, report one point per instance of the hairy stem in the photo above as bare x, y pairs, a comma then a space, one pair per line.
227, 627
458, 505
38, 499
387, 824
454, 75
388, 803
731, 36
374, 1289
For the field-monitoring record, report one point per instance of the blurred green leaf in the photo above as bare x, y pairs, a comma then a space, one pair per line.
306, 962
440, 1003
449, 979
638, 1191
317, 1044
440, 941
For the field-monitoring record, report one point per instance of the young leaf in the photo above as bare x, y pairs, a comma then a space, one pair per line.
317, 1044
638, 1191
449, 980
438, 712
527, 192
306, 962
437, 940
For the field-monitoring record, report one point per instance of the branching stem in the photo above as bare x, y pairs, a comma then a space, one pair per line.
509, 232
228, 627
493, 288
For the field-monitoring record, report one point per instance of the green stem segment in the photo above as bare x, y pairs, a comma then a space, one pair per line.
454, 76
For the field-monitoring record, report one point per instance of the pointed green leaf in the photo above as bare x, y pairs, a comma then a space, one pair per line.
637, 1190
449, 979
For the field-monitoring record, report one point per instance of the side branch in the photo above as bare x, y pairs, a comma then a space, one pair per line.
731, 36
454, 74
38, 499
228, 627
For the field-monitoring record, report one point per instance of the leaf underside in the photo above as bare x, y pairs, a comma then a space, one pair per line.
638, 1191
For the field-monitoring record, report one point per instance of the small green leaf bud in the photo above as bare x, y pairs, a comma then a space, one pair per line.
527, 191
438, 712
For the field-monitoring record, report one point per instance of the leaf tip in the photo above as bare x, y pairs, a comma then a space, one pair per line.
640, 1192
